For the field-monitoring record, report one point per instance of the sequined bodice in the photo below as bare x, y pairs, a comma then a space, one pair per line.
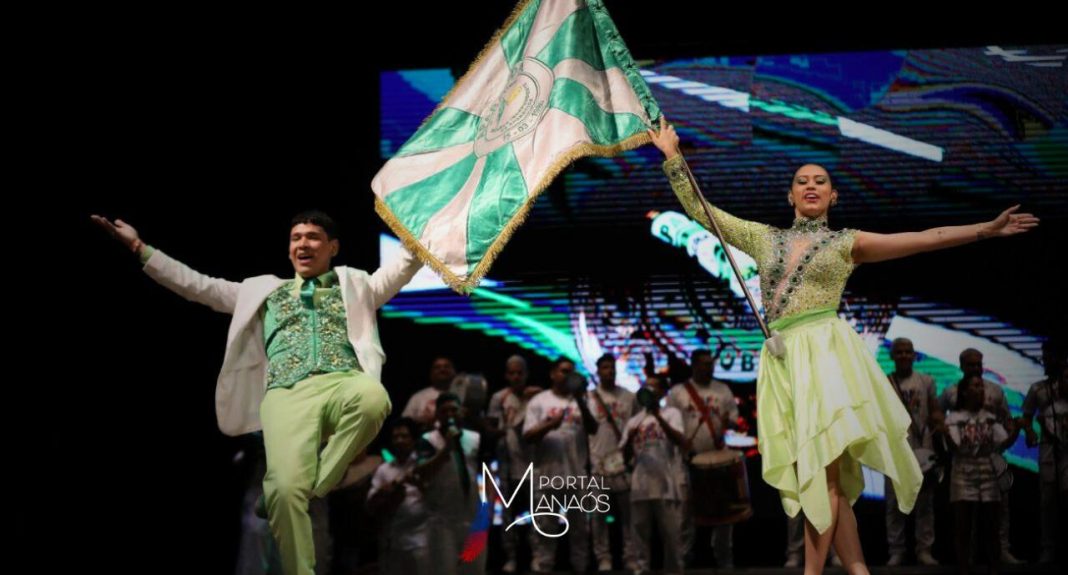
803, 267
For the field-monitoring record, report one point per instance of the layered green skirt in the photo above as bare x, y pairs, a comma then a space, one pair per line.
827, 397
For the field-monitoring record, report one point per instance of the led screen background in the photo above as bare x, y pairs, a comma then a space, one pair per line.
941, 135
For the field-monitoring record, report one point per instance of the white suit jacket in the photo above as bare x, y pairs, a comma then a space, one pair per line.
243, 378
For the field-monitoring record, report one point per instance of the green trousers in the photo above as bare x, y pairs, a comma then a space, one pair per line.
343, 409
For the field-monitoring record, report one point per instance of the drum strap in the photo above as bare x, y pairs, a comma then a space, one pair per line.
706, 417
913, 428
607, 413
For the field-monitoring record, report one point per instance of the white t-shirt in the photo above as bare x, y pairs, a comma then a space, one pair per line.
975, 434
720, 401
510, 410
445, 496
658, 468
1044, 401
993, 400
422, 405
562, 451
406, 527
918, 392
621, 405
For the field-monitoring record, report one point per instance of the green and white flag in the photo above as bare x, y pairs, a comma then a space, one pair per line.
554, 84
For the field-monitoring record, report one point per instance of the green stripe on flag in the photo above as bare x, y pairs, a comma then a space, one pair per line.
415, 204
605, 128
616, 55
514, 41
448, 127
574, 40
499, 196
